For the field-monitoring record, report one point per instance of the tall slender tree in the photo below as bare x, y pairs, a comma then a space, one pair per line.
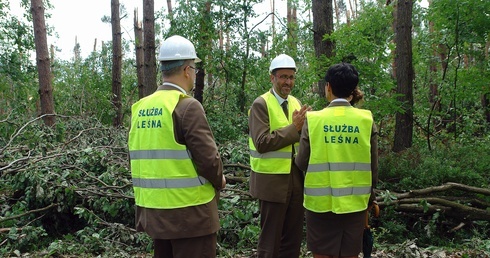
150, 66
322, 25
43, 62
116, 63
138, 42
292, 25
404, 75
204, 46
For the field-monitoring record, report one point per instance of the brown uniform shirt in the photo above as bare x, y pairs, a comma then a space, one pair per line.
303, 156
272, 188
191, 128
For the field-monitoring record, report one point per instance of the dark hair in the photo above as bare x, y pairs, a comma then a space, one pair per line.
357, 95
343, 79
170, 68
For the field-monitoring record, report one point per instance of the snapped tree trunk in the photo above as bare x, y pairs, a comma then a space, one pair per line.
116, 63
43, 62
404, 76
139, 52
149, 46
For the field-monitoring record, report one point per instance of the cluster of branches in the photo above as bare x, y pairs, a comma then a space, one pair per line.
459, 201
452, 199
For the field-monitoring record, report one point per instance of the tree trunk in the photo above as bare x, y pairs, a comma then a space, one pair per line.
485, 102
322, 25
205, 47
116, 63
292, 26
486, 96
170, 14
273, 17
43, 62
169, 6
352, 11
149, 47
404, 76
433, 88
139, 52
337, 12
471, 205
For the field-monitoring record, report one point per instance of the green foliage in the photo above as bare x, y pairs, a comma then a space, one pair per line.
82, 183
81, 165
240, 226
419, 168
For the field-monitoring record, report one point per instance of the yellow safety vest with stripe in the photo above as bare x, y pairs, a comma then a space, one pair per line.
279, 161
338, 177
164, 176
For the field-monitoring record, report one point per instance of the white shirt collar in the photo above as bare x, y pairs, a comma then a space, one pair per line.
279, 98
175, 86
339, 100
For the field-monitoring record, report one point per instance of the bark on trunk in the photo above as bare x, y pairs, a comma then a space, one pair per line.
292, 26
139, 52
322, 25
149, 46
43, 62
116, 63
205, 43
471, 205
404, 76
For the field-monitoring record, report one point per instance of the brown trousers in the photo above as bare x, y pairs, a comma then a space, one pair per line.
282, 226
196, 247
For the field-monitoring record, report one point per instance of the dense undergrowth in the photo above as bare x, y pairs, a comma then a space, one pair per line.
66, 192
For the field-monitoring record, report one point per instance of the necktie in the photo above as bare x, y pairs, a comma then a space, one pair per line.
285, 108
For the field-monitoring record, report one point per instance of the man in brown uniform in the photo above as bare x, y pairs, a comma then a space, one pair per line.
277, 182
190, 229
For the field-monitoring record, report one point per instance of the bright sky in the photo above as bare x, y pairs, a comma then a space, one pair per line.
82, 20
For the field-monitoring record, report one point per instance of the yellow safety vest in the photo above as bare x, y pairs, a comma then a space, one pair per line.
164, 176
338, 177
279, 161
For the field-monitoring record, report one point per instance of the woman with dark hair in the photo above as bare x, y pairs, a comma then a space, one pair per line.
338, 151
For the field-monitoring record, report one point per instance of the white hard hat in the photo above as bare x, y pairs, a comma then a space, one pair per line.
177, 48
282, 61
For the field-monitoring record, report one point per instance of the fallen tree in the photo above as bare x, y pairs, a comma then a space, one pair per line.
452, 199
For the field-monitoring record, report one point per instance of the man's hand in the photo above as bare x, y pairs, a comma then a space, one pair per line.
300, 116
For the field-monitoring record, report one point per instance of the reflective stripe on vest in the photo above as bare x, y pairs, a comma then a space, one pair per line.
270, 155
338, 177
337, 192
169, 183
339, 167
279, 161
163, 174
159, 154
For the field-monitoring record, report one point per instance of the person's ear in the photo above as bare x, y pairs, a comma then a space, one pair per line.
327, 89
187, 71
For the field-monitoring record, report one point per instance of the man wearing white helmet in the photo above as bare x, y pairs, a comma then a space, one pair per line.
275, 123
175, 165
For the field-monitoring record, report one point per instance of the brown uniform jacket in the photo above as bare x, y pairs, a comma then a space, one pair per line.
191, 129
303, 156
272, 188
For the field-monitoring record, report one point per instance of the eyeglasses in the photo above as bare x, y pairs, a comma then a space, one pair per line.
195, 69
285, 77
